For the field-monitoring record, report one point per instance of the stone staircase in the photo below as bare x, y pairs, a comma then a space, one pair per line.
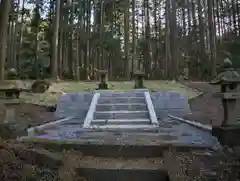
121, 111
176, 150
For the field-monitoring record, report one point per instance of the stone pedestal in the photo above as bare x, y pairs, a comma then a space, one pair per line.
103, 80
10, 111
227, 135
138, 80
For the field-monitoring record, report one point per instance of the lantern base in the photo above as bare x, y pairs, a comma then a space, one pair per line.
227, 135
139, 87
103, 86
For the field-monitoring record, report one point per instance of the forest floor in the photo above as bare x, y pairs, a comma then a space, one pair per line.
32, 111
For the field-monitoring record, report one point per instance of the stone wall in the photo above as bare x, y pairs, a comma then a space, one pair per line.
74, 105
170, 103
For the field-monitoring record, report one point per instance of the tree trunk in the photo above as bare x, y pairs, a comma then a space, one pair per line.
167, 41
126, 38
54, 49
133, 36
212, 42
5, 7
173, 37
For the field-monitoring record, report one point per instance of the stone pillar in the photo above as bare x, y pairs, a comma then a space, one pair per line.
138, 80
10, 112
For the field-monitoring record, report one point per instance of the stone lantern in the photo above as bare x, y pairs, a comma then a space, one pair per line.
138, 79
229, 130
103, 80
228, 79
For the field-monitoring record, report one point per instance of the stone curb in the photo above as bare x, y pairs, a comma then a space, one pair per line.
31, 131
192, 123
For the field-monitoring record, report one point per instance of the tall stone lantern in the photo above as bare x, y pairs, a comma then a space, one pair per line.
229, 130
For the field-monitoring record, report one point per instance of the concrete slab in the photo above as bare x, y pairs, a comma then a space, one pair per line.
74, 105
99, 149
170, 132
125, 128
172, 103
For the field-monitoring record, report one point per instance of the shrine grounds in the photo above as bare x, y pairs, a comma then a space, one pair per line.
33, 110
205, 108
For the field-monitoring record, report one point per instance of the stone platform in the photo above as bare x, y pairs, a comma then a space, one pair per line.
108, 118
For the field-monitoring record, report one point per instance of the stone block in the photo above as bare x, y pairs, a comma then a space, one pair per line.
170, 103
141, 90
121, 101
74, 105
123, 174
102, 86
227, 135
121, 94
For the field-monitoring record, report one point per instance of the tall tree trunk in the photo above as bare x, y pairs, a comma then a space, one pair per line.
147, 49
133, 36
19, 65
54, 49
126, 38
202, 37
155, 51
167, 41
88, 31
235, 30
5, 7
173, 36
36, 24
212, 37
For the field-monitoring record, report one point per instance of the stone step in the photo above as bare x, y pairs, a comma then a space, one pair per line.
120, 121
121, 163
122, 128
126, 100
123, 97
122, 169
122, 107
122, 104
121, 115
119, 112
129, 94
123, 174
